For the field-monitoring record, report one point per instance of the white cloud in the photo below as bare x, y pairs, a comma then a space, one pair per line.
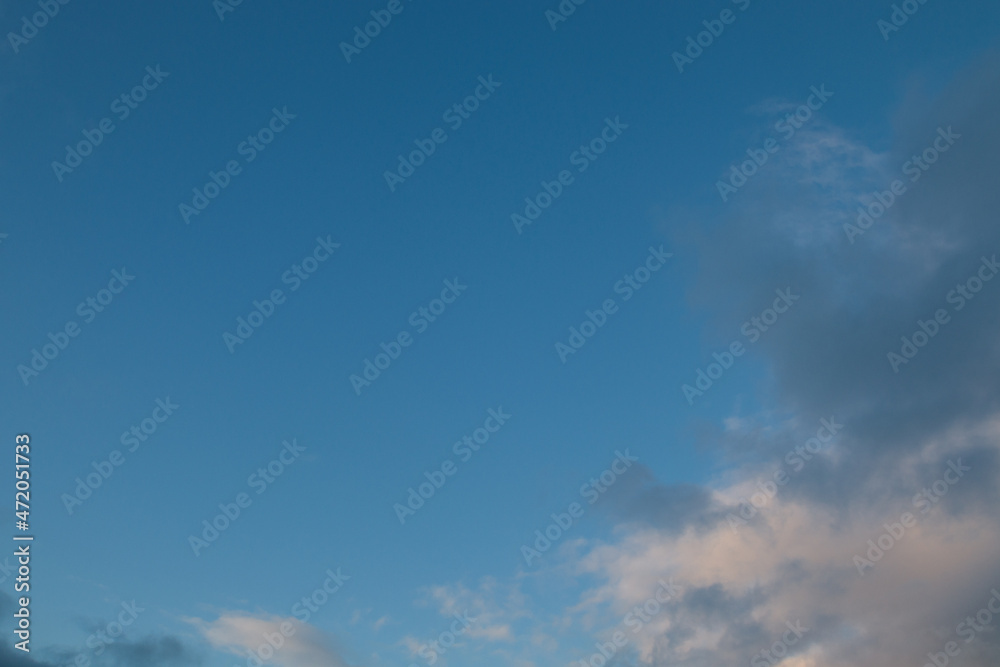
300, 644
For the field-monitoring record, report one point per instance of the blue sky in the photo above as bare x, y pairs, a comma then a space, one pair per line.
321, 183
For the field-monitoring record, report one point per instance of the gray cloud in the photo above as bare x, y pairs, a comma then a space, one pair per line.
150, 651
829, 355
827, 358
